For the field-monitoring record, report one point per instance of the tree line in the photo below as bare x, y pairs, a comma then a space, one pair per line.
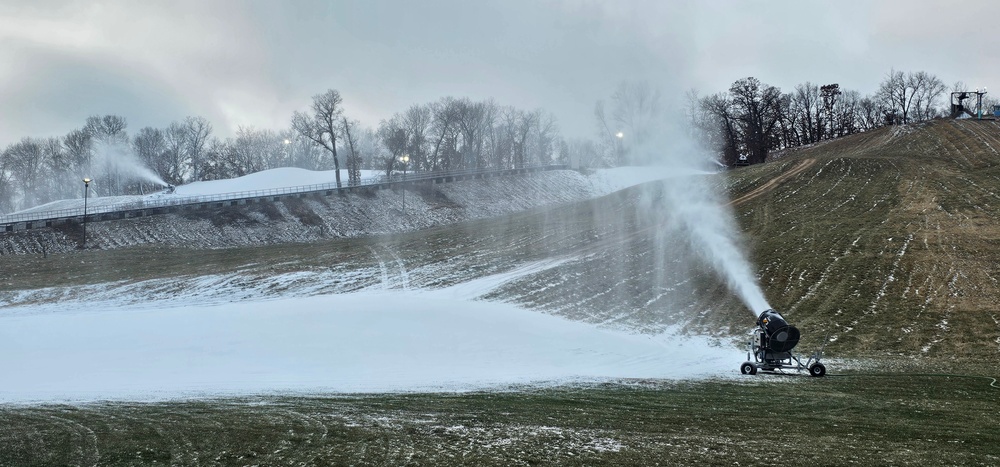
749, 120
448, 134
753, 118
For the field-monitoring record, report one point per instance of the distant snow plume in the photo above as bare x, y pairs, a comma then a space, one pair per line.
117, 165
693, 208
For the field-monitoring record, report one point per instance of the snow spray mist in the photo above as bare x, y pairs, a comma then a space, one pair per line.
119, 160
712, 232
693, 208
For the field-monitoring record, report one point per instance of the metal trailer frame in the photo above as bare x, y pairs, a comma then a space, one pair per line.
761, 358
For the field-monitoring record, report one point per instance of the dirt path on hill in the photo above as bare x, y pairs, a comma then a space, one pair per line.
771, 184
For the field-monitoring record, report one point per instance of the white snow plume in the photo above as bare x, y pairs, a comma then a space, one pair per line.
693, 207
117, 161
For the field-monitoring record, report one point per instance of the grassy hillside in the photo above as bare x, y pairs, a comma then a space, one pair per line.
888, 241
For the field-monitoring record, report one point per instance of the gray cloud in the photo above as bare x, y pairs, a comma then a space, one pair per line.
255, 62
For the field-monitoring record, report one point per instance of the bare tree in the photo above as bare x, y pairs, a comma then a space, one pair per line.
7, 185
693, 113
58, 180
392, 134
544, 136
79, 148
350, 129
871, 112
636, 110
758, 109
471, 118
807, 109
895, 90
442, 132
248, 152
26, 165
175, 154
927, 89
108, 129
610, 138
213, 159
322, 127
286, 156
522, 126
845, 115
196, 136
723, 131
417, 120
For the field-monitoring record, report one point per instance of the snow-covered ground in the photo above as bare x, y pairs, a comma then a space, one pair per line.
604, 181
273, 179
113, 347
372, 341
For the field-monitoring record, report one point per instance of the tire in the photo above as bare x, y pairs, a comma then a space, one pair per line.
817, 370
748, 368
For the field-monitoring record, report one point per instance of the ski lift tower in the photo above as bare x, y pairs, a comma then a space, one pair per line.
958, 106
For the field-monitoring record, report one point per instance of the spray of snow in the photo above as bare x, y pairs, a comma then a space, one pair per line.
713, 233
693, 208
120, 162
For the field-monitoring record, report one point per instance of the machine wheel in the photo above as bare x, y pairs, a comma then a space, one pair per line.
748, 368
817, 370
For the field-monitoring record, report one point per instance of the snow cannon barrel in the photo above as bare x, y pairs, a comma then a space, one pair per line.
781, 337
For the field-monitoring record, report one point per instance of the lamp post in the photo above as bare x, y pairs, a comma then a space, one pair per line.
288, 154
405, 160
86, 194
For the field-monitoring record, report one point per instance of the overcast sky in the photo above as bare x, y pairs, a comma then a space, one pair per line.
255, 62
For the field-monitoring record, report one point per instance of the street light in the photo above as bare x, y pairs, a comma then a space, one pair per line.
405, 160
86, 194
288, 154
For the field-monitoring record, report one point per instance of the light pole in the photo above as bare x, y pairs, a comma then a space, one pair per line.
288, 154
86, 194
405, 160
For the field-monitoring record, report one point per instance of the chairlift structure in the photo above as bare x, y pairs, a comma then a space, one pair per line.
959, 107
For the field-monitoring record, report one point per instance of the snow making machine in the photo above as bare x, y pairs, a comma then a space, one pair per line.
770, 348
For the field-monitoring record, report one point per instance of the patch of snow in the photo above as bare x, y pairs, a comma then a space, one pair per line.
362, 342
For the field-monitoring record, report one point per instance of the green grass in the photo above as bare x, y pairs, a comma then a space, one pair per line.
873, 418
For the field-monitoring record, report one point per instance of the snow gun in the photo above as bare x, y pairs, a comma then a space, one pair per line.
770, 348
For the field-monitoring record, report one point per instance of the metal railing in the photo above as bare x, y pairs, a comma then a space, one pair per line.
174, 201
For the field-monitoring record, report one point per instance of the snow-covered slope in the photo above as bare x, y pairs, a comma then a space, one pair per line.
318, 217
280, 178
